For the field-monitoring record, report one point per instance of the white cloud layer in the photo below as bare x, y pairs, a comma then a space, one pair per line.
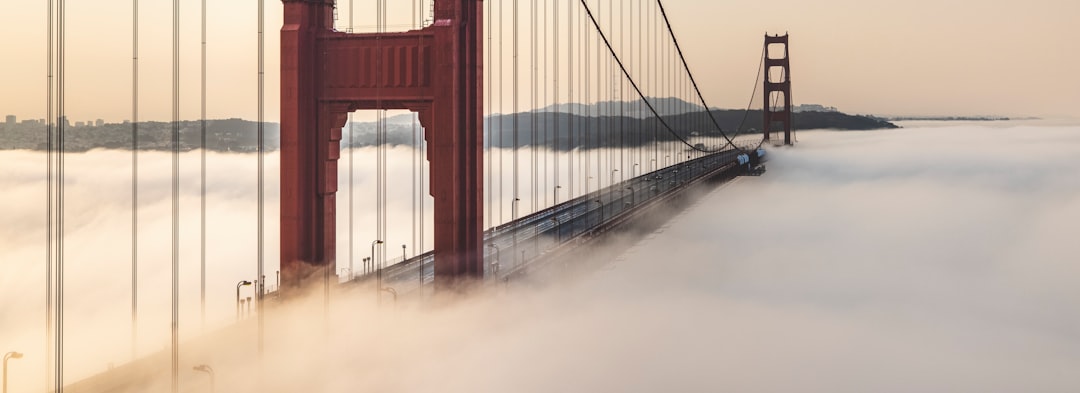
923, 259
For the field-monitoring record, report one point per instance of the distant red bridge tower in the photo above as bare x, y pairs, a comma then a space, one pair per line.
779, 118
326, 74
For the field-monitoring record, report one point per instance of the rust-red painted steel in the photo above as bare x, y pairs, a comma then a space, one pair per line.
782, 116
325, 74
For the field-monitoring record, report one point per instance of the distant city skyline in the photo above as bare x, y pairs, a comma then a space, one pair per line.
919, 57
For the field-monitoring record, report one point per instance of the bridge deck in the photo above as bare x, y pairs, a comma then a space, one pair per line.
516, 244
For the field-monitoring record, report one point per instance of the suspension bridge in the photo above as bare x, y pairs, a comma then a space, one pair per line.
590, 102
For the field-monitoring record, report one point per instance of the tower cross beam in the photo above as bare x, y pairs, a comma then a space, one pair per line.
326, 74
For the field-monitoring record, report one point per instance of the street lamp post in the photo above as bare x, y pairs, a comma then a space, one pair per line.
634, 170
209, 371
555, 196
558, 230
350, 269
613, 177
9, 355
238, 285
600, 219
378, 271
513, 213
653, 160
495, 264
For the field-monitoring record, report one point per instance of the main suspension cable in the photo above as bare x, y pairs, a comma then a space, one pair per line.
663, 122
686, 67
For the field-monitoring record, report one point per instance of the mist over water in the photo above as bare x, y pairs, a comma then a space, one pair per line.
920, 259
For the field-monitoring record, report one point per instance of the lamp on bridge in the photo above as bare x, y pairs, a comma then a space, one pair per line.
238, 285
378, 271
495, 263
558, 230
600, 219
209, 371
9, 355
371, 259
555, 196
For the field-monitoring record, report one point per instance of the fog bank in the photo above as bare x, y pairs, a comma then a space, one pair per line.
920, 259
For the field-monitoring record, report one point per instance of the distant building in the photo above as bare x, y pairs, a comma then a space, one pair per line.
11, 120
80, 124
814, 108
99, 123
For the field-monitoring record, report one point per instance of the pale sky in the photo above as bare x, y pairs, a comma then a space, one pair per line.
939, 57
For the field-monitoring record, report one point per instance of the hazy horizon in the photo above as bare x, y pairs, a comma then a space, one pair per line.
920, 57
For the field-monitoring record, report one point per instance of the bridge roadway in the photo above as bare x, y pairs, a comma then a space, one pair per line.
543, 235
511, 247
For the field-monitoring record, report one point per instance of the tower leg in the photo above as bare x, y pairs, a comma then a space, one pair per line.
308, 156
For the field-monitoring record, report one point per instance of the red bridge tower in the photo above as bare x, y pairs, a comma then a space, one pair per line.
326, 74
777, 116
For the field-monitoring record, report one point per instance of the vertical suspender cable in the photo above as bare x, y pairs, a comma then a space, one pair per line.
412, 145
175, 197
49, 200
49, 120
490, 129
617, 160
533, 131
557, 115
543, 141
571, 114
515, 203
134, 177
418, 199
655, 56
382, 150
260, 283
587, 127
202, 174
502, 114
423, 181
52, 363
419, 149
622, 98
352, 147
686, 68
61, 74
641, 69
601, 111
